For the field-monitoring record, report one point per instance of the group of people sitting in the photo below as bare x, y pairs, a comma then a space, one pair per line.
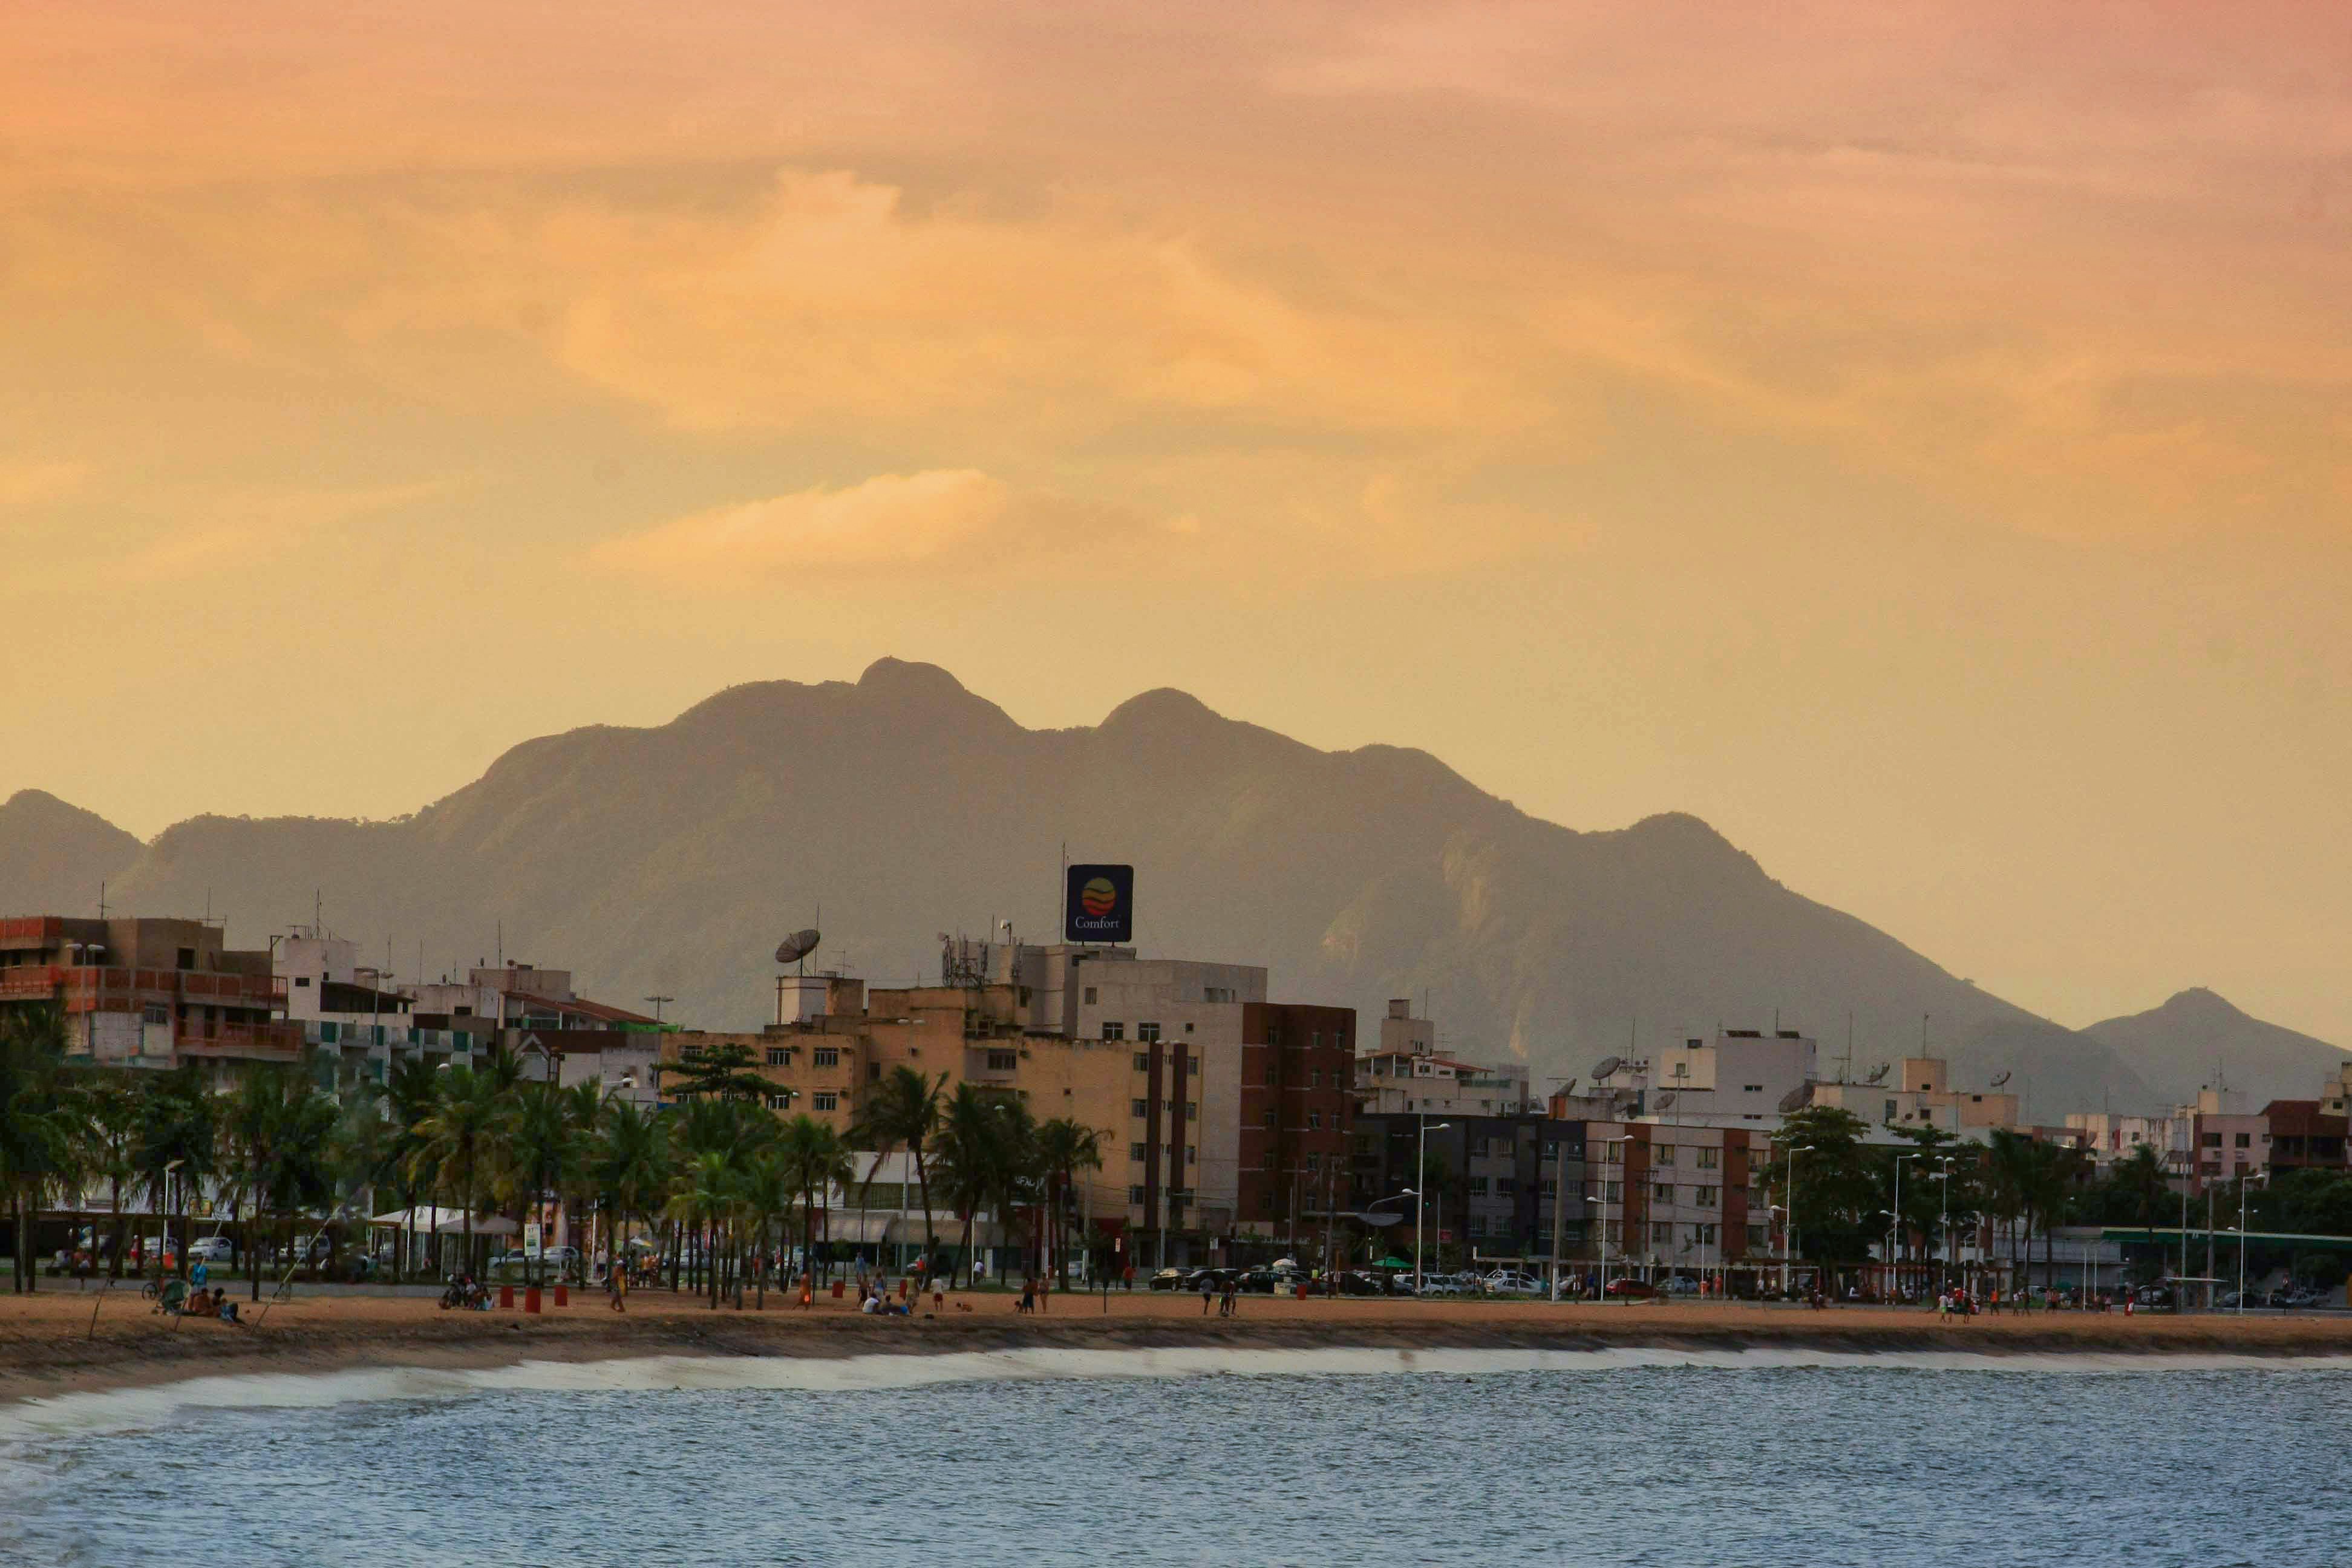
198, 1303
876, 1300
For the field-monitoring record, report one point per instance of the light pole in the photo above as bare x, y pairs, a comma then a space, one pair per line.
1603, 1217
1894, 1252
1944, 1274
1788, 1231
2244, 1177
1421, 1185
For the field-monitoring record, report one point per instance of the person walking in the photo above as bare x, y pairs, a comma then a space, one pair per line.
1208, 1290
616, 1288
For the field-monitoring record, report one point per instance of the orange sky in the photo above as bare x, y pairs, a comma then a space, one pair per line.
1914, 437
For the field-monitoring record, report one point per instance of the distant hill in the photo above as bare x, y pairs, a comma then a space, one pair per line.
670, 860
53, 855
2197, 1039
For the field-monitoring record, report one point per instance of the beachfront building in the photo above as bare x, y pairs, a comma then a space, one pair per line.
1920, 1093
1408, 1074
143, 992
1740, 1077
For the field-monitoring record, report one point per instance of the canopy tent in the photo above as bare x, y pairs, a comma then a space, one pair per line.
432, 1220
1393, 1263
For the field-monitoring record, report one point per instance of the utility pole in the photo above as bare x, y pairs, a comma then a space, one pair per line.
1559, 1208
657, 1002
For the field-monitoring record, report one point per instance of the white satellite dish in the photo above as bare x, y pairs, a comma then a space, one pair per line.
1664, 1099
1606, 1066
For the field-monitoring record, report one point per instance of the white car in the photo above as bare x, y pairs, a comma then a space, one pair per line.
210, 1250
1441, 1286
1511, 1282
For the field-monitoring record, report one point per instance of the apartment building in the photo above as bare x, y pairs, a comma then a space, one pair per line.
2304, 1137
1297, 1104
1678, 1197
1489, 1184
142, 992
1409, 1074
1741, 1078
1921, 1094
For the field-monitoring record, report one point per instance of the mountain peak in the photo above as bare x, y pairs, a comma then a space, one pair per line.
1161, 708
907, 677
2201, 1002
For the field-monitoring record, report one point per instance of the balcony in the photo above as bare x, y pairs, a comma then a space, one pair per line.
272, 1041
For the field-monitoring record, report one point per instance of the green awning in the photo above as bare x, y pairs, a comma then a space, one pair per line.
1393, 1263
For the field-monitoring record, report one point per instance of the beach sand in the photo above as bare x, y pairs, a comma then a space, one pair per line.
48, 1346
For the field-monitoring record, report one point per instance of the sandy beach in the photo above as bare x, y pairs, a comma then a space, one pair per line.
49, 1345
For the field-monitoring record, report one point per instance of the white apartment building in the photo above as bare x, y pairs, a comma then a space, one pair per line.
1739, 1078
1409, 1075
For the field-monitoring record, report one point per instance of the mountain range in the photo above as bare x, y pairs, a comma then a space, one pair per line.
668, 860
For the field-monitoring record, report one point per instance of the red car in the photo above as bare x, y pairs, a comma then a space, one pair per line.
1632, 1289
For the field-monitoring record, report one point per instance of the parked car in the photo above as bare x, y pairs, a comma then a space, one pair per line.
1511, 1282
210, 1249
1632, 1289
1441, 1285
1166, 1279
1681, 1285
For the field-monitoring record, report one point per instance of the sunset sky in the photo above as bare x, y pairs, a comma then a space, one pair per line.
1916, 438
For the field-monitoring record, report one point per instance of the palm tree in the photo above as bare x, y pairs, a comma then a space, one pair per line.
456, 1140
702, 1194
766, 1189
974, 1150
536, 1152
408, 1092
632, 1166
35, 1126
904, 1112
1065, 1148
251, 1122
178, 1133
817, 1161
109, 1111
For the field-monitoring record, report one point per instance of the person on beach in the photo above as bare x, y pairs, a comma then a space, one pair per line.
1208, 1290
1028, 1295
616, 1290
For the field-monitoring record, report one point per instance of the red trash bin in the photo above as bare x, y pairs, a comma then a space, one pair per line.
563, 1295
836, 1290
531, 1299
506, 1298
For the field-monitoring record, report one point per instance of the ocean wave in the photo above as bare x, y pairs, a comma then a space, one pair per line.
70, 1416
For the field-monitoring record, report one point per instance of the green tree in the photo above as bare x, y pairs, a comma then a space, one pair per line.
1064, 1149
409, 1092
106, 1107
178, 1137
1819, 1156
719, 1072
903, 1111
817, 1162
457, 1142
35, 1125
537, 1149
631, 1164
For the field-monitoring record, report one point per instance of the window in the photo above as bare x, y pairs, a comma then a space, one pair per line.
1890, 1110
2213, 1140
827, 1056
2245, 1139
1757, 1240
692, 1053
1143, 1061
1004, 1061
1662, 1194
1478, 1187
1315, 1122
780, 1056
1191, 1108
1662, 1234
1664, 1154
1550, 1187
1269, 1159
1477, 1224
1706, 1198
1090, 996
1138, 1106
783, 1101
188, 958
826, 1100
302, 983
1114, 1031
1135, 1151
1703, 1235
1616, 1155
1612, 1192
1707, 1158
156, 1013
1192, 1153
1315, 1079
1148, 1032
1314, 1164
1134, 1194
1193, 1066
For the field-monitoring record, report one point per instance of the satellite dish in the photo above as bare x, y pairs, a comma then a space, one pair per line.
1380, 1220
798, 945
2002, 1080
1664, 1099
1878, 1073
1568, 1087
1606, 1066
1796, 1099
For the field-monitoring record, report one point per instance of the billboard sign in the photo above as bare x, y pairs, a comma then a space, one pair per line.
1099, 904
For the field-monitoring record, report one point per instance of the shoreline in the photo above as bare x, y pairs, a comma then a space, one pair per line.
47, 1348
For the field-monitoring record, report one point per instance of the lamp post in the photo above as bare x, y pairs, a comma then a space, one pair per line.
1788, 1231
1895, 1251
1421, 1185
2244, 1177
1603, 1217
1944, 1274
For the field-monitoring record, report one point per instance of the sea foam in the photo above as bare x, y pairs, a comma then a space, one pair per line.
157, 1405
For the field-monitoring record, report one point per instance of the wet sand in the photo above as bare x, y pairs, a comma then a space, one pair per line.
48, 1345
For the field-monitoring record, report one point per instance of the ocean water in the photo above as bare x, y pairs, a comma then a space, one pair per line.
1203, 1456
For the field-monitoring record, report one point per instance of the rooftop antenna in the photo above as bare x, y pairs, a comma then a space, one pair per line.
101, 897
1879, 1074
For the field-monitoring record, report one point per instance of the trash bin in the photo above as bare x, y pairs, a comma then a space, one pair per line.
836, 1290
506, 1298
563, 1295
531, 1299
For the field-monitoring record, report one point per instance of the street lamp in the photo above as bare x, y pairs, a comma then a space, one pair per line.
1945, 1176
1788, 1231
1603, 1217
1894, 1250
2244, 1177
1421, 1185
